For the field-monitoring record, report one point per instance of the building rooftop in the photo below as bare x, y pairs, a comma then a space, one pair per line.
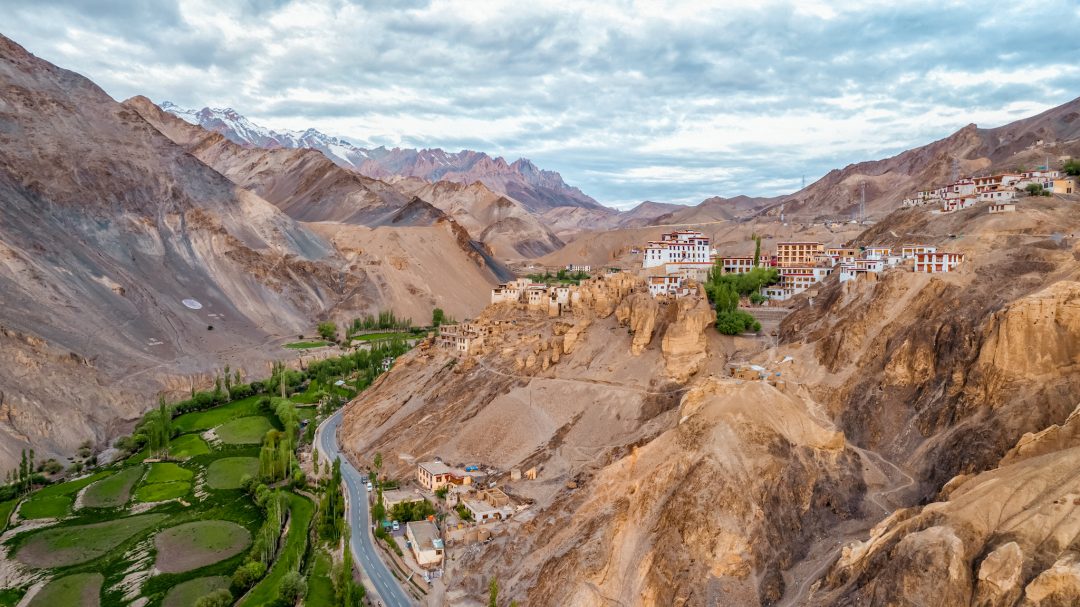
436, 467
425, 534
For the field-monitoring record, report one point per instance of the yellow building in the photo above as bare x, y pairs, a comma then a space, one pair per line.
1065, 185
797, 254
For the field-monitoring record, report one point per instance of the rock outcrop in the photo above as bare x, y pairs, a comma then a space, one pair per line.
684, 339
638, 313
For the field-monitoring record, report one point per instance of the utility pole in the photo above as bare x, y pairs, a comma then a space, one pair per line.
804, 181
862, 201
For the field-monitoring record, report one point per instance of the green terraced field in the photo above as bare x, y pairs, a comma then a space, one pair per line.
78, 590
55, 501
204, 420
197, 544
186, 593
227, 472
114, 491
71, 545
244, 431
188, 445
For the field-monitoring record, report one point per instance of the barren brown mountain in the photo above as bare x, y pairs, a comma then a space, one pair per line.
662, 481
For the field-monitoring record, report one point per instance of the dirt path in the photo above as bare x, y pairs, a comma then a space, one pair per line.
890, 478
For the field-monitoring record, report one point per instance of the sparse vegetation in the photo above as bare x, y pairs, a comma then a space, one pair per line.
306, 345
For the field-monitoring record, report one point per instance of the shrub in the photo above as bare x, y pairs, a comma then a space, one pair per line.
247, 574
736, 322
218, 598
328, 331
292, 587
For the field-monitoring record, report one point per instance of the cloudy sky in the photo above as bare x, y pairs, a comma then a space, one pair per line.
628, 100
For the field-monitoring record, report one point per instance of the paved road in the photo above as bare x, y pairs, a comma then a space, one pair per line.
363, 547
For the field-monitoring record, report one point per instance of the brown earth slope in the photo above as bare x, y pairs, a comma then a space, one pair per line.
105, 227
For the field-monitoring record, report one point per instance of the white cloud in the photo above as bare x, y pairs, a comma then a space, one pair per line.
630, 100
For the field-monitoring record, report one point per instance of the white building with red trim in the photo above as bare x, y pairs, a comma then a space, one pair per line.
936, 262
677, 246
909, 251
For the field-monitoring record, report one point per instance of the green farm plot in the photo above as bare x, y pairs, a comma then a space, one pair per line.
244, 431
380, 336
55, 501
10, 597
160, 492
113, 491
204, 420
5, 512
320, 589
164, 481
166, 472
187, 593
74, 544
265, 592
306, 345
78, 590
188, 445
227, 472
198, 544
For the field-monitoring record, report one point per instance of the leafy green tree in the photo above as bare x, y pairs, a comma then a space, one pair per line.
1071, 167
292, 587
1034, 189
247, 574
757, 250
328, 331
493, 593
438, 317
218, 598
332, 506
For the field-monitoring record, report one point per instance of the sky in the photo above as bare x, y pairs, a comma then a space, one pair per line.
630, 101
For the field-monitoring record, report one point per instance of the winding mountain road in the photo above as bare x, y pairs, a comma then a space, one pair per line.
362, 544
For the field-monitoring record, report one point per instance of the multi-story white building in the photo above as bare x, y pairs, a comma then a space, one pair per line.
909, 251
678, 246
935, 262
955, 204
667, 286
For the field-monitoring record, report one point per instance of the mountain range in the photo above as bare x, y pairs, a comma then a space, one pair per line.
537, 189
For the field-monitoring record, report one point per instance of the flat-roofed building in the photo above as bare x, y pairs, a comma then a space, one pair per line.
424, 541
433, 475
794, 254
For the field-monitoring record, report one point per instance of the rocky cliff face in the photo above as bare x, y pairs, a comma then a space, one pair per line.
106, 227
659, 481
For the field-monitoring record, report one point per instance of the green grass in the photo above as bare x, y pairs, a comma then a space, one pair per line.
199, 543
114, 491
188, 445
78, 590
320, 589
186, 593
73, 544
164, 481
204, 420
265, 592
160, 492
166, 472
378, 336
227, 472
10, 597
306, 345
55, 501
244, 431
5, 512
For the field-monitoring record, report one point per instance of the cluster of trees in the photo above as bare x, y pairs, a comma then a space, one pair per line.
1036, 189
277, 456
332, 506
274, 504
1071, 167
327, 330
385, 320
347, 593
560, 276
158, 429
412, 511
726, 290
